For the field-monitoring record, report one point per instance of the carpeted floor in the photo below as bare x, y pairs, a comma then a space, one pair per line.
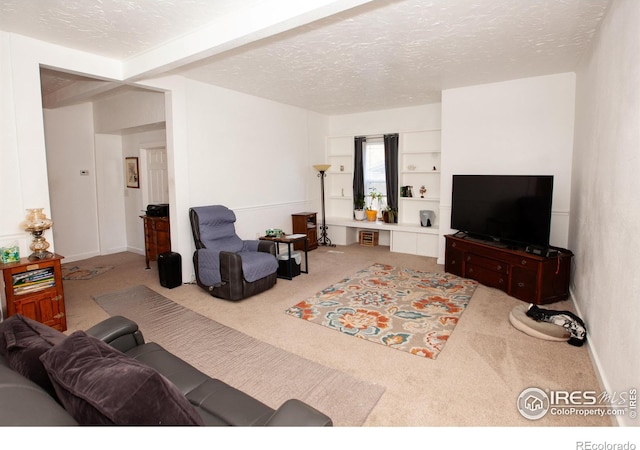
261, 370
400, 308
476, 381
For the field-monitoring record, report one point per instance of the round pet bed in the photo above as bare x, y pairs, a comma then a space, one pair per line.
541, 330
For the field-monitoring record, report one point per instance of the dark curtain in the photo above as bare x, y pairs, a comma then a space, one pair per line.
391, 171
358, 168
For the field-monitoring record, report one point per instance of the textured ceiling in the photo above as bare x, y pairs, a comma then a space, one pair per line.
397, 53
383, 54
117, 29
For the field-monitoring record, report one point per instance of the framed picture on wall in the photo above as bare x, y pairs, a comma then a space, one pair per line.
131, 172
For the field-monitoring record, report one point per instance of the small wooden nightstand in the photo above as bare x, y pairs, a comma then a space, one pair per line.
306, 223
34, 290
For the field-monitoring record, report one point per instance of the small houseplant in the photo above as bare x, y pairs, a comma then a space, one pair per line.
372, 211
389, 215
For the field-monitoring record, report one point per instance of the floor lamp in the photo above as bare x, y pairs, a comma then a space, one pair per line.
324, 240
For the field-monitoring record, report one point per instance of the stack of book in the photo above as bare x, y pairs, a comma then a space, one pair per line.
33, 280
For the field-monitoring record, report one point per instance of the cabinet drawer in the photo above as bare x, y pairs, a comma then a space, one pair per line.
523, 284
453, 260
488, 263
161, 225
46, 307
487, 277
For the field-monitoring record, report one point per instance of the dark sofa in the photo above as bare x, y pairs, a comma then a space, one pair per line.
109, 375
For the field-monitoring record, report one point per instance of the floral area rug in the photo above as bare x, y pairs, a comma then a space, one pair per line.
78, 273
404, 309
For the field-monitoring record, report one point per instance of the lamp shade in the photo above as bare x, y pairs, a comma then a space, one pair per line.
36, 220
321, 167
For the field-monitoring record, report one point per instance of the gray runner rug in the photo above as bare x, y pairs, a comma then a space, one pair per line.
270, 374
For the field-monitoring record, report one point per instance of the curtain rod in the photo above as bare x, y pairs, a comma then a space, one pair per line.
376, 136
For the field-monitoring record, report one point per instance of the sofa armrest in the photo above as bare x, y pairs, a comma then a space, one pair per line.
119, 332
294, 413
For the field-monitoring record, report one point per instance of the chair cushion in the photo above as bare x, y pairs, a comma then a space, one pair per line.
98, 385
22, 341
216, 228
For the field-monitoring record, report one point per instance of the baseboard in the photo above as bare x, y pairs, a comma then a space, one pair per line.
137, 251
595, 360
79, 257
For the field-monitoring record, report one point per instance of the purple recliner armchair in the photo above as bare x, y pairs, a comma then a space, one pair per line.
225, 265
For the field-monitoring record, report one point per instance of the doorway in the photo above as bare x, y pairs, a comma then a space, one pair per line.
155, 185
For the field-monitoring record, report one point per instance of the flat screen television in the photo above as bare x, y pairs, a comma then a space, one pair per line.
514, 210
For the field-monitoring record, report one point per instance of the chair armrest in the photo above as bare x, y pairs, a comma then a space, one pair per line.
119, 332
259, 245
267, 247
231, 268
294, 413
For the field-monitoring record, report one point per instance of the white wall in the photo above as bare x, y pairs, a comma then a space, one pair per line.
97, 214
520, 127
250, 154
69, 140
10, 190
129, 110
605, 213
110, 193
24, 180
415, 118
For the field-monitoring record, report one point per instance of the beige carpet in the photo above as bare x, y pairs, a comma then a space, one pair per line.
476, 381
263, 371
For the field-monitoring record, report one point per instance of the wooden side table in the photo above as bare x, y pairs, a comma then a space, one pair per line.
34, 290
298, 239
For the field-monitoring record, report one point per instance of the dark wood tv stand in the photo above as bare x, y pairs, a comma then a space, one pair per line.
525, 276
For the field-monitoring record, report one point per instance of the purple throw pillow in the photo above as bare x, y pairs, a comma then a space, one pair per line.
22, 341
99, 385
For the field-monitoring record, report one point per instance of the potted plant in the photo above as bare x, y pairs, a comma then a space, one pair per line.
358, 207
388, 215
372, 214
374, 203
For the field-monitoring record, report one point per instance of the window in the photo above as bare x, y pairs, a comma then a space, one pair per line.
374, 169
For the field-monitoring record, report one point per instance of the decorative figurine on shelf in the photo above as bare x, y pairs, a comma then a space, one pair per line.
423, 190
434, 168
406, 191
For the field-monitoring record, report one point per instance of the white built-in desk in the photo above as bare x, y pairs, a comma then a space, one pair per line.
401, 238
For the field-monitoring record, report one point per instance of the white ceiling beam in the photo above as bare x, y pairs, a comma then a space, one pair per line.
78, 92
232, 31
